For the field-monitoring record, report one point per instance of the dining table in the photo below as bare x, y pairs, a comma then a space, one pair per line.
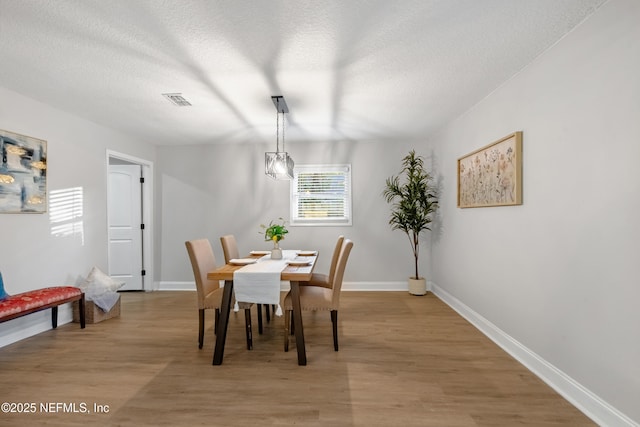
293, 272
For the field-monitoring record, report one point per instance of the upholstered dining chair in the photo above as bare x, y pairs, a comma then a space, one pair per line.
321, 279
318, 298
229, 247
209, 291
230, 250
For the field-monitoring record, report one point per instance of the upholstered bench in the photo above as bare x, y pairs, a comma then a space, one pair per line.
14, 306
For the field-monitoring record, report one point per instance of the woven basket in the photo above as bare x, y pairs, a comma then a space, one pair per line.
93, 313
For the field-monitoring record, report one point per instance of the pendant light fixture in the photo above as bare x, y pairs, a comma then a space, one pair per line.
278, 164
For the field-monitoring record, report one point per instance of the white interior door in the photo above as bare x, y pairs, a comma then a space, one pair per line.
125, 226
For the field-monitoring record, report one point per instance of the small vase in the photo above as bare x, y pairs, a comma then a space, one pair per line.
276, 252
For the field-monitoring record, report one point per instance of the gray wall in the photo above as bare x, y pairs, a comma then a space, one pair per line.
221, 189
559, 274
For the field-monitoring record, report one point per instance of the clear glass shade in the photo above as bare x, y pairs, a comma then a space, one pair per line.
278, 165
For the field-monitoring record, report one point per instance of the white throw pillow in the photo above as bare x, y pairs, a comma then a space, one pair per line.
100, 281
101, 289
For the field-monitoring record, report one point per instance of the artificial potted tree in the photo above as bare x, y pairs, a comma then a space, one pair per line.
414, 202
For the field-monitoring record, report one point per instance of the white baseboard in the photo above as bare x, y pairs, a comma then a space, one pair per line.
346, 286
375, 286
176, 286
590, 404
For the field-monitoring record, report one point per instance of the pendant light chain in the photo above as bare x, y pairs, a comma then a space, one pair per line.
277, 125
278, 113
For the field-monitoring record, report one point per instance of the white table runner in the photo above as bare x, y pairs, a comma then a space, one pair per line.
259, 283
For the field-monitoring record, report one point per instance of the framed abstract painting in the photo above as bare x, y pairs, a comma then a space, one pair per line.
23, 174
492, 175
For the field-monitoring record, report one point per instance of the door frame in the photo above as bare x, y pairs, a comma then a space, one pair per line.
148, 282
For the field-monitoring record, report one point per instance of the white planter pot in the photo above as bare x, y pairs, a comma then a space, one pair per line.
417, 286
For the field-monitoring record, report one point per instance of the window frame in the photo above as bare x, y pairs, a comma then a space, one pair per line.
346, 219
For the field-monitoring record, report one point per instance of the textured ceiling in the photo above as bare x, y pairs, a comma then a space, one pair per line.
348, 69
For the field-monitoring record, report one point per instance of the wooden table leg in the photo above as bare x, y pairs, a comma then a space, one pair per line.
297, 323
221, 336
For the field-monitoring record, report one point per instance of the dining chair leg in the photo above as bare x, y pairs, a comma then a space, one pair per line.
334, 321
260, 319
267, 311
292, 327
287, 323
200, 327
247, 319
215, 321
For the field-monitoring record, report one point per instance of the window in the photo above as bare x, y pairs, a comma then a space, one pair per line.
321, 195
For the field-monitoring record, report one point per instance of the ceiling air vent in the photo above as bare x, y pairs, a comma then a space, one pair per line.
177, 99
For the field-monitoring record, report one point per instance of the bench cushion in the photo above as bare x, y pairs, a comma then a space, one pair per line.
37, 298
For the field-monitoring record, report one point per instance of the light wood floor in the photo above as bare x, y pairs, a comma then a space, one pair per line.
403, 361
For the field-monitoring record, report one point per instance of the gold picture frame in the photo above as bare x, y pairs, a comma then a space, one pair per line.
492, 175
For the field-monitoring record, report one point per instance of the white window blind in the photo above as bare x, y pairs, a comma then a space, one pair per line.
321, 195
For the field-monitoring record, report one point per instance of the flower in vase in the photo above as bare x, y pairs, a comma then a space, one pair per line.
275, 232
